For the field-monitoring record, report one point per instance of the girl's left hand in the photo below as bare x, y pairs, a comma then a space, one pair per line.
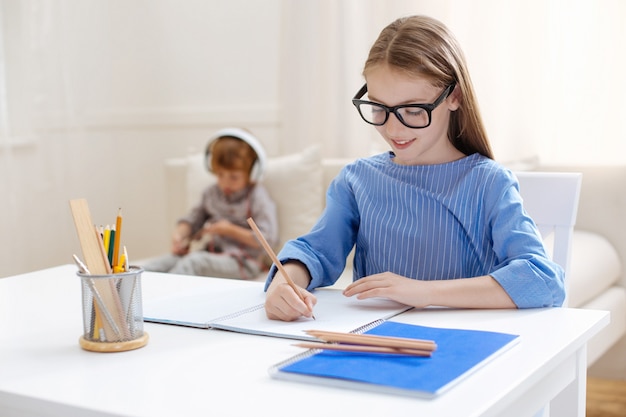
389, 285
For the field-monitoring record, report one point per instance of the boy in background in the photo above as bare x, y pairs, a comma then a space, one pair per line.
214, 238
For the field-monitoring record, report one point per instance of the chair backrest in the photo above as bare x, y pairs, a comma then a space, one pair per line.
551, 199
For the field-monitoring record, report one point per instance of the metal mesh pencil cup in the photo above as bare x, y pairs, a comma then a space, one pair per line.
112, 311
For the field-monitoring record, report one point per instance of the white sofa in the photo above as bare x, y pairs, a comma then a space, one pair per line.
298, 182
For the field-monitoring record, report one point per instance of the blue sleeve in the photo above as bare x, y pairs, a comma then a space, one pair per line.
525, 272
325, 248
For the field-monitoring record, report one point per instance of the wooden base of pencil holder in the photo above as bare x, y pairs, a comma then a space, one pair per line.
113, 346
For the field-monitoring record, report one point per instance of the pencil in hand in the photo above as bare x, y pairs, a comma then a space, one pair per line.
274, 258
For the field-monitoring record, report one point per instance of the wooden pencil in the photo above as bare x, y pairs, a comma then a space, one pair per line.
373, 340
106, 244
272, 255
118, 238
364, 349
101, 247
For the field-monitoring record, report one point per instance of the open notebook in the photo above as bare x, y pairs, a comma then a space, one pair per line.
459, 352
239, 306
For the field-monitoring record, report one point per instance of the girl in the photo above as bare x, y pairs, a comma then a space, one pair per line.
435, 221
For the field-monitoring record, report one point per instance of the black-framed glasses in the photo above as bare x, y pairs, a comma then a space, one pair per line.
415, 116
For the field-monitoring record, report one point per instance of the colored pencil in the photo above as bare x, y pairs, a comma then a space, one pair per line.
372, 340
118, 237
364, 349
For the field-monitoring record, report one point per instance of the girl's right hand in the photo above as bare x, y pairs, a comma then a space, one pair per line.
282, 302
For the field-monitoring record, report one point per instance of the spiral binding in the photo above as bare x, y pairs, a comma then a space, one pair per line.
237, 313
311, 352
366, 327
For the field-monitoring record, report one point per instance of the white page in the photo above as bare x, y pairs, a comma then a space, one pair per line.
222, 305
333, 312
207, 299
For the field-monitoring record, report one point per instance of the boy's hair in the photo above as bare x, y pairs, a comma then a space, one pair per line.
231, 153
422, 46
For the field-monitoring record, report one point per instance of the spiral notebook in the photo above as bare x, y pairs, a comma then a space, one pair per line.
459, 352
239, 306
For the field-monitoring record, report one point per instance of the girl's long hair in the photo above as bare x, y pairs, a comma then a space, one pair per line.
424, 47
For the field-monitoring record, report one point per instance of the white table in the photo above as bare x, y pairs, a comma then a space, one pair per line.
193, 372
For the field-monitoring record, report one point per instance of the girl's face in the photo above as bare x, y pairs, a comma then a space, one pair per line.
231, 181
426, 146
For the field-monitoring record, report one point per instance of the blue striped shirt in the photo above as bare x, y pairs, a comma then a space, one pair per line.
460, 219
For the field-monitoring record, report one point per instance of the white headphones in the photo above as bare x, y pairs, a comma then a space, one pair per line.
256, 173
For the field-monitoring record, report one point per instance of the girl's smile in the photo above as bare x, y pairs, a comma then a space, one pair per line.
402, 144
425, 146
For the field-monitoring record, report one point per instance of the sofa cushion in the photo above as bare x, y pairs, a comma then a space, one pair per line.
295, 183
198, 178
594, 267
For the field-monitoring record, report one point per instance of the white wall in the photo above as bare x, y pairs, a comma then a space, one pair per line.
97, 93
548, 73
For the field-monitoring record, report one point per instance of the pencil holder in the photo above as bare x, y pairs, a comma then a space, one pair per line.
112, 311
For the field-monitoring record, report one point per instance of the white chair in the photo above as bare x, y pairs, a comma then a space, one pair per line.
551, 199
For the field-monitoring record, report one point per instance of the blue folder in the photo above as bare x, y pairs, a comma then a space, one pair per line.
458, 352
